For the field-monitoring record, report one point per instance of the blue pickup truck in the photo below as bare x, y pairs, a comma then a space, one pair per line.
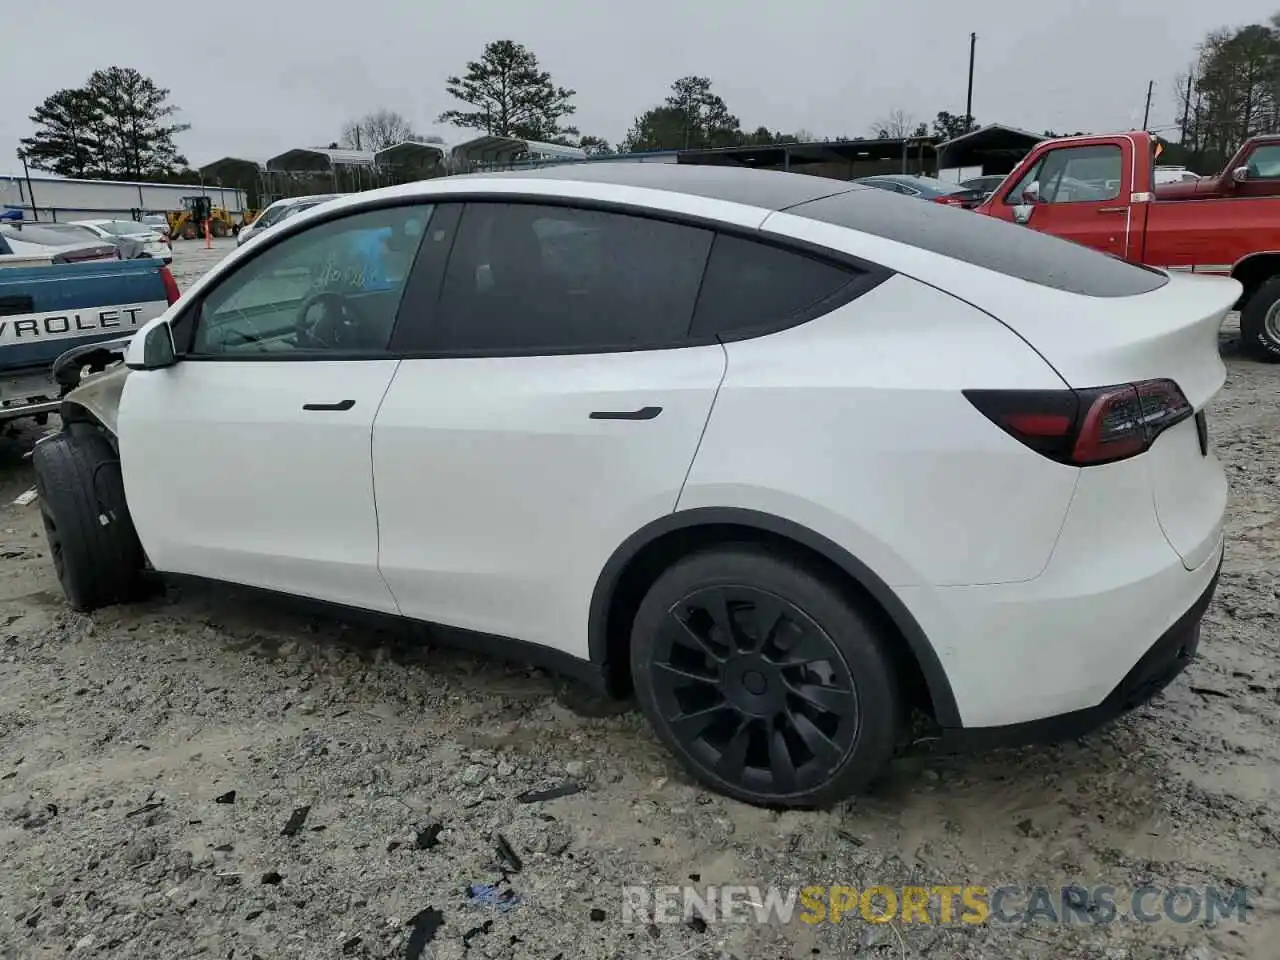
49, 309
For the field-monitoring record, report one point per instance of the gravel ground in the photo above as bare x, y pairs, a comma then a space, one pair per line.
205, 774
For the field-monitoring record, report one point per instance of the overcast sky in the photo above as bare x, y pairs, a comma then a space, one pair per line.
258, 77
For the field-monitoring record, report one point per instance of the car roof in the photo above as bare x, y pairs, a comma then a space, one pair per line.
975, 239
766, 189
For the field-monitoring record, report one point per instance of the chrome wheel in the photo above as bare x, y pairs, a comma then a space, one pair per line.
1271, 322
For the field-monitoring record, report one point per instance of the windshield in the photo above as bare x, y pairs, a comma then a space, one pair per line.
934, 185
123, 228
297, 208
273, 213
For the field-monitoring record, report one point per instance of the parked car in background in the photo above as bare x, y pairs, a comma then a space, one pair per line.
159, 223
60, 242
1253, 172
924, 188
279, 211
1171, 174
984, 185
1100, 191
51, 309
149, 243
759, 421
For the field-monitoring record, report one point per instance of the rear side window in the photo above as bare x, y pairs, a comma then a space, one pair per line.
983, 241
526, 279
749, 285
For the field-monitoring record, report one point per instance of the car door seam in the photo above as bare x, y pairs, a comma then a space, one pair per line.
724, 372
373, 481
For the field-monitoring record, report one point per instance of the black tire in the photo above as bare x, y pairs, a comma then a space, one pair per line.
1260, 339
747, 703
94, 546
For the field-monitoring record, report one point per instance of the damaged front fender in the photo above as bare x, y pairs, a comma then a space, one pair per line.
97, 394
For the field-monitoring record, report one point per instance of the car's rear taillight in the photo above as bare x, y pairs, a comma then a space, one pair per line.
949, 201
171, 291
1086, 427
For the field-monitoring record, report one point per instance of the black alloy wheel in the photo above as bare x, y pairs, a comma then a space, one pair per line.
749, 688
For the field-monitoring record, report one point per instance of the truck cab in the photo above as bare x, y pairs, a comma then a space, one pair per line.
1079, 188
1253, 172
1100, 191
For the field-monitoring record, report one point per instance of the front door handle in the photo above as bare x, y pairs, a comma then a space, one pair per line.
644, 413
340, 405
1113, 209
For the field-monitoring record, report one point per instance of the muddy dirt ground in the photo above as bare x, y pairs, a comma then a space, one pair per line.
152, 757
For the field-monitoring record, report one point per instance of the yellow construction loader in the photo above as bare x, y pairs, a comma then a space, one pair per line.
188, 223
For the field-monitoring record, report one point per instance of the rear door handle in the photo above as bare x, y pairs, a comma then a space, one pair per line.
644, 413
340, 405
1113, 209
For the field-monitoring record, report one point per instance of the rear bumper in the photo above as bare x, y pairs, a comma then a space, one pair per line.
1172, 652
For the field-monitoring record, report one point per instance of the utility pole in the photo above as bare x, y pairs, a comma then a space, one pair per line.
1146, 114
968, 100
35, 214
1186, 113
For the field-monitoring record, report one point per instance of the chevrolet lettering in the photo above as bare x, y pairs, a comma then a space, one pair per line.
77, 322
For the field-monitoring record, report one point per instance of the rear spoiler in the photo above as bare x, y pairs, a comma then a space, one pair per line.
67, 368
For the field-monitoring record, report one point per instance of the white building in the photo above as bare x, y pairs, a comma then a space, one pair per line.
63, 199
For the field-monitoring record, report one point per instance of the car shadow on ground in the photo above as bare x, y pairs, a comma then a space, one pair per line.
248, 623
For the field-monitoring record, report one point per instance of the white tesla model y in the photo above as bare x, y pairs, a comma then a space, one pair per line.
785, 457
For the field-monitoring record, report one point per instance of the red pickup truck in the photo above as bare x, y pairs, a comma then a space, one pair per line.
1099, 191
1253, 172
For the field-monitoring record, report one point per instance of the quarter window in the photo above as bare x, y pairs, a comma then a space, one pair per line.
335, 286
752, 285
529, 278
1074, 175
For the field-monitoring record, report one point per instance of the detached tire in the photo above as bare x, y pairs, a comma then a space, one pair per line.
1260, 323
94, 546
764, 679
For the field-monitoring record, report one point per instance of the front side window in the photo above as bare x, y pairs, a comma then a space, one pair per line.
1264, 163
528, 278
1088, 174
333, 287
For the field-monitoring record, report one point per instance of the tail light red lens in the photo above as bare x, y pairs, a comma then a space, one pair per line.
1086, 427
171, 292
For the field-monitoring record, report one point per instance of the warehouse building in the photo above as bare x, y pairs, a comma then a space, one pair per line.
63, 199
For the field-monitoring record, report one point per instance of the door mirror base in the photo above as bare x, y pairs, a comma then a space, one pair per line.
1240, 174
158, 350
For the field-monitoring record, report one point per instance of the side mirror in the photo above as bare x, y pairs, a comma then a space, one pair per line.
1031, 192
158, 350
1240, 174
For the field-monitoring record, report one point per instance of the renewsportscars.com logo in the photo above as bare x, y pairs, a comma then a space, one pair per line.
942, 905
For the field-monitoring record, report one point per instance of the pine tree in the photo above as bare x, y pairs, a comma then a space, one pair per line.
512, 96
66, 138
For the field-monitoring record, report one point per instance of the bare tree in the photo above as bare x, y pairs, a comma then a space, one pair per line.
377, 130
895, 125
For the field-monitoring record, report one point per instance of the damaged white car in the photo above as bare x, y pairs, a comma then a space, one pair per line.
786, 457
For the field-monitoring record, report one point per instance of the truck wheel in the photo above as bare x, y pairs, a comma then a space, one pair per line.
94, 546
1260, 323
